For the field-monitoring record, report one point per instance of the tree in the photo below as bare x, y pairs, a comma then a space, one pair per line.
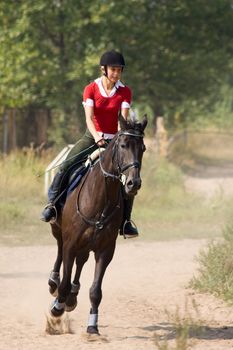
178, 51
178, 54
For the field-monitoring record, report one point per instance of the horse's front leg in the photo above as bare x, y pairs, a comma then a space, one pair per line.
58, 306
71, 301
102, 258
54, 278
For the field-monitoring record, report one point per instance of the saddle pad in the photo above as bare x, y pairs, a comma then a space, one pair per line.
76, 179
81, 171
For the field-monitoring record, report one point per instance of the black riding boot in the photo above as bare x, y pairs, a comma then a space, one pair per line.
50, 211
126, 229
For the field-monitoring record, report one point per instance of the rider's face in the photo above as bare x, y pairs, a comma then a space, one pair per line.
114, 73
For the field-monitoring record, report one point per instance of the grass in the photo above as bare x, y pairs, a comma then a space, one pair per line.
180, 331
215, 272
21, 198
163, 209
201, 149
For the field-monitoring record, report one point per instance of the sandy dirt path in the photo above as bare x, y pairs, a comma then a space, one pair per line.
142, 281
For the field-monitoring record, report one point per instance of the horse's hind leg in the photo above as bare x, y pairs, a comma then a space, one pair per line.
54, 278
71, 300
102, 260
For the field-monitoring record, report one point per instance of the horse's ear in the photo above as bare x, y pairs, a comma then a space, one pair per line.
144, 122
123, 122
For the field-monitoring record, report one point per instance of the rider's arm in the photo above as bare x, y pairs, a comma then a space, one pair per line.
125, 112
125, 106
89, 113
88, 103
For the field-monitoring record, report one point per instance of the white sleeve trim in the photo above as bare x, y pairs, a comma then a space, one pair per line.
125, 105
89, 102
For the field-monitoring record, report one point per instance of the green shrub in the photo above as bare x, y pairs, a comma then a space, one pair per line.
215, 273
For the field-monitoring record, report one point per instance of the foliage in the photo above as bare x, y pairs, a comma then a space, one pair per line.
42, 58
215, 273
178, 54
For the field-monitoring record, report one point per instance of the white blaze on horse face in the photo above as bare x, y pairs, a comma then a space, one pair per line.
123, 179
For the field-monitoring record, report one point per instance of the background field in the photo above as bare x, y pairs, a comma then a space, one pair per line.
187, 196
185, 199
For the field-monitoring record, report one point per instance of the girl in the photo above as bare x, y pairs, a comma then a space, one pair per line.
103, 99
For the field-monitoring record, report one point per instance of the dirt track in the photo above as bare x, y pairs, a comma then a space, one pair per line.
142, 281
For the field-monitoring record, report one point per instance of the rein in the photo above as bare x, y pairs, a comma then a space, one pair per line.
99, 224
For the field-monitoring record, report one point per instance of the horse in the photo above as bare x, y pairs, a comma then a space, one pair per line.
91, 218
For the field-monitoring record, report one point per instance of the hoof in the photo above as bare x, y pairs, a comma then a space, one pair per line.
70, 308
71, 302
53, 290
93, 330
57, 309
54, 282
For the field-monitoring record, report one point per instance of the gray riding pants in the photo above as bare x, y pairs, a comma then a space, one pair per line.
79, 153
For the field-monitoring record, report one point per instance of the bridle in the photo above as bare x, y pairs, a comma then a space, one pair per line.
120, 176
120, 168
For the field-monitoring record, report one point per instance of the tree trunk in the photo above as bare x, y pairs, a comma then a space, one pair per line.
158, 112
41, 120
12, 129
5, 133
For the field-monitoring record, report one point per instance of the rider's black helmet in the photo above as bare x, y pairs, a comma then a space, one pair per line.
112, 58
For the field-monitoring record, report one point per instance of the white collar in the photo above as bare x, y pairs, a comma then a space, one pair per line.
118, 84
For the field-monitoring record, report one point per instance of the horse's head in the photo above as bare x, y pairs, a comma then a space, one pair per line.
129, 149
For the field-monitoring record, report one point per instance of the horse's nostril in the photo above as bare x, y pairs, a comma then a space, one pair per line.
130, 183
134, 183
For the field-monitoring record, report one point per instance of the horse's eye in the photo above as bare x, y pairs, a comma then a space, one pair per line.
123, 145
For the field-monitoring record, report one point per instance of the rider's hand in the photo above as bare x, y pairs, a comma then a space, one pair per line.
100, 142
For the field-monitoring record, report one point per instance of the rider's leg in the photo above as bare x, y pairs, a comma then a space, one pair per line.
78, 153
127, 229
49, 211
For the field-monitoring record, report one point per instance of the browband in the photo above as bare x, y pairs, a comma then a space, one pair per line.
131, 134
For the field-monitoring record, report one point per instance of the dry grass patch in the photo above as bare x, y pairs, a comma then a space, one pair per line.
180, 331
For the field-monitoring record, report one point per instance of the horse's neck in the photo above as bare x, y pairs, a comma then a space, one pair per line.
107, 161
109, 173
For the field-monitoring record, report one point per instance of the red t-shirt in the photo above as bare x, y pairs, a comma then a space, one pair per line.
106, 108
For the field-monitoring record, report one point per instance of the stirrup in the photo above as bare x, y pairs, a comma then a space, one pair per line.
53, 219
129, 235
